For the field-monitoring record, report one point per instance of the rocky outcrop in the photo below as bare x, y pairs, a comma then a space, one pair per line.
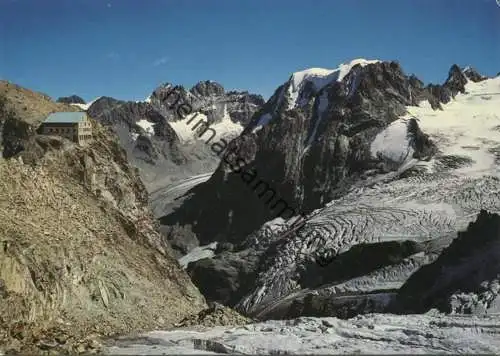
138, 119
474, 75
15, 133
81, 255
232, 273
19, 136
215, 315
454, 84
30, 106
110, 112
465, 279
73, 99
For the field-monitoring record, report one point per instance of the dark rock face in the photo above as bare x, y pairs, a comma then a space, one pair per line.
168, 97
233, 275
454, 84
474, 75
243, 106
110, 111
456, 80
308, 155
342, 307
73, 99
424, 147
181, 239
464, 279
15, 134
234, 268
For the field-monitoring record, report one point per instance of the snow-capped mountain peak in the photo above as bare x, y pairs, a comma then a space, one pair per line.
319, 78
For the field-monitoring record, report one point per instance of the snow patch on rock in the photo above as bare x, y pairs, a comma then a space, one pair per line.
147, 126
187, 128
198, 253
393, 143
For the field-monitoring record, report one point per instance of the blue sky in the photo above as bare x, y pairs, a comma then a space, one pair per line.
125, 48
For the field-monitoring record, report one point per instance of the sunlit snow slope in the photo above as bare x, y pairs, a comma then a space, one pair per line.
469, 126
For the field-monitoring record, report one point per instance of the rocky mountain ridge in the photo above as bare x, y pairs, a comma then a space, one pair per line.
82, 257
208, 98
